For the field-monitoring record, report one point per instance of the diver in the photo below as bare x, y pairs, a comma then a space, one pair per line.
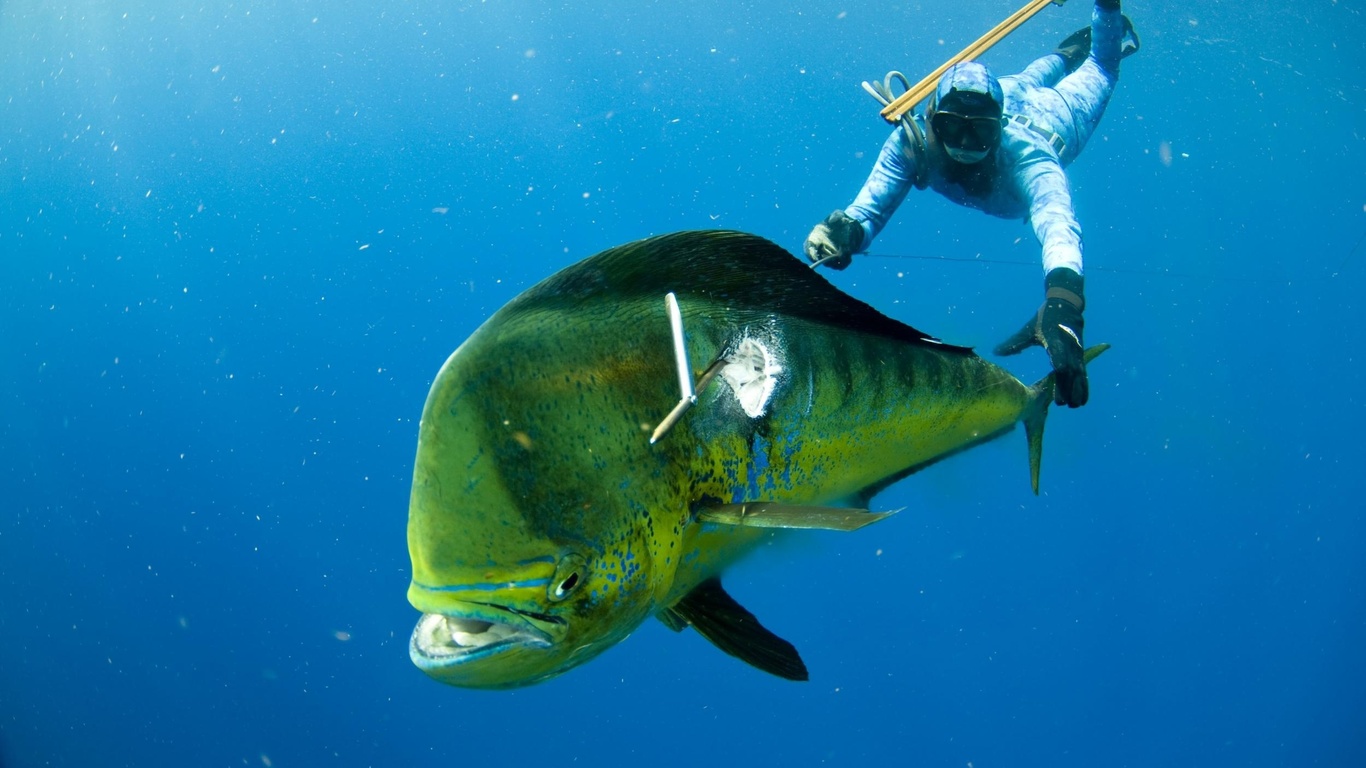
1000, 146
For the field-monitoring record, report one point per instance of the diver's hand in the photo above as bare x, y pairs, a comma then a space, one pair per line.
1057, 328
834, 241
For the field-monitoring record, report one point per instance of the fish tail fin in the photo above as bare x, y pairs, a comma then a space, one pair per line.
1041, 396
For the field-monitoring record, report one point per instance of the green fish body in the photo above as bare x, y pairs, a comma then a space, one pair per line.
545, 525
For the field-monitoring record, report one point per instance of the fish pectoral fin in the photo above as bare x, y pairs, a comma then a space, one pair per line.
728, 626
769, 515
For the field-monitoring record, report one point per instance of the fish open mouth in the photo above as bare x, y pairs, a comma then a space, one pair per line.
439, 639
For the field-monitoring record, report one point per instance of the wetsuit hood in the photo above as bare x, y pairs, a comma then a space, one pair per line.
970, 93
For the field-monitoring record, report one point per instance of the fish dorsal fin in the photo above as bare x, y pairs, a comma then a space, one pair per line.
753, 276
728, 626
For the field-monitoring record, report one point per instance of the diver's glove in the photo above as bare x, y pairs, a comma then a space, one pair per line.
834, 241
1057, 327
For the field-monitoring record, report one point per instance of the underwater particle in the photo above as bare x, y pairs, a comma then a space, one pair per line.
1164, 153
342, 635
441, 209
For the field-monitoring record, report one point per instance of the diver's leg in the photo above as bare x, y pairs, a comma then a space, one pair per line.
1107, 36
1087, 91
1043, 72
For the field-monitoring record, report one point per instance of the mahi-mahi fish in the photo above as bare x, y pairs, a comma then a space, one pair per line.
606, 444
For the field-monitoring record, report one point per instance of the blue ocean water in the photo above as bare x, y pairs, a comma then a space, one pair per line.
237, 239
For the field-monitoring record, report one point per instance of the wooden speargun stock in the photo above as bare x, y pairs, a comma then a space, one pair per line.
904, 103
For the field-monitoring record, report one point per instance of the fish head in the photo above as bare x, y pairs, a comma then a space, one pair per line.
509, 626
525, 562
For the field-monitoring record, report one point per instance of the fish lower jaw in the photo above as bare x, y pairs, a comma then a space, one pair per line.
440, 639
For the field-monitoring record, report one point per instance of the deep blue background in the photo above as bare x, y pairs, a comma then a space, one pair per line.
238, 239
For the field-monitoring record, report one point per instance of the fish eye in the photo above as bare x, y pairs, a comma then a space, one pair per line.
567, 586
568, 577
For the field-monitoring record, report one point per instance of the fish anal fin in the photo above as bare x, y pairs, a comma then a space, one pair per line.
728, 626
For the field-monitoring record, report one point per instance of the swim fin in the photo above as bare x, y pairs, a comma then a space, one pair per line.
1128, 42
1077, 46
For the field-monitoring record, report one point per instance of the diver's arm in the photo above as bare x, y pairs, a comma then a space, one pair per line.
892, 177
1057, 325
1043, 183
